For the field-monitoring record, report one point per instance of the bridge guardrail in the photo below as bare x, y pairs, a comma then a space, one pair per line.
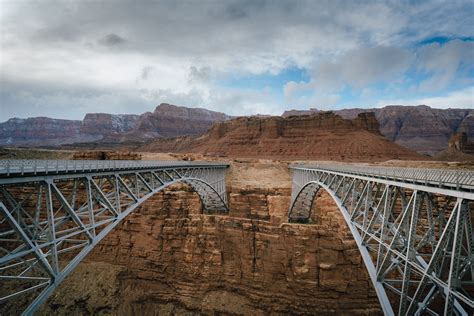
21, 166
458, 179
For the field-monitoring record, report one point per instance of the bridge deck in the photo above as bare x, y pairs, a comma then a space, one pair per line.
20, 168
460, 180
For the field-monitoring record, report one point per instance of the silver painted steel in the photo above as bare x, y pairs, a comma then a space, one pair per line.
53, 213
413, 228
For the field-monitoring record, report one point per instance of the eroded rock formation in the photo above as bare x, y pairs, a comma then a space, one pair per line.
167, 258
166, 120
106, 155
421, 128
460, 148
324, 135
40, 131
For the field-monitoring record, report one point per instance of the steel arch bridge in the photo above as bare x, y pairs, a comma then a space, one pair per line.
413, 228
52, 213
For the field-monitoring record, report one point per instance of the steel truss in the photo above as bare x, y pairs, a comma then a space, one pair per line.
415, 235
53, 213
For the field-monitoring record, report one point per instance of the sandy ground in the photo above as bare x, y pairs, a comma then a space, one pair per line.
263, 174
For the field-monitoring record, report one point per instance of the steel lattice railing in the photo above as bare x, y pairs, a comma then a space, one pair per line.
52, 213
22, 167
414, 231
458, 179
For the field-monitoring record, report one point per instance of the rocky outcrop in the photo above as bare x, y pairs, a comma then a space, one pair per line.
106, 124
320, 136
300, 112
106, 155
41, 131
459, 149
167, 258
171, 120
167, 120
420, 128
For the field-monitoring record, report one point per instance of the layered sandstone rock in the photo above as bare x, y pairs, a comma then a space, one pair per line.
40, 130
420, 128
320, 136
460, 142
106, 155
105, 124
103, 128
459, 149
171, 120
167, 258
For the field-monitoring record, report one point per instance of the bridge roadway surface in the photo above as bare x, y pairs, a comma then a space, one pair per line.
413, 227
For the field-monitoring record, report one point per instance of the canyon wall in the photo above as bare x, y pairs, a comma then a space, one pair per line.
41, 131
324, 136
165, 120
168, 259
421, 128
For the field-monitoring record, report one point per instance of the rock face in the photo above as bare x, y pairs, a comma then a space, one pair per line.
460, 142
320, 136
459, 149
166, 120
106, 124
166, 258
41, 131
106, 155
420, 128
171, 120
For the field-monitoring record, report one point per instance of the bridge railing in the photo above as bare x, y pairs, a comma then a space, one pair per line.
458, 179
21, 167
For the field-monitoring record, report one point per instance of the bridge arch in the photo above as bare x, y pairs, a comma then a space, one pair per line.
300, 212
50, 222
211, 201
415, 238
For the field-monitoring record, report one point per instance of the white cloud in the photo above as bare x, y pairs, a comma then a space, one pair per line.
89, 53
443, 63
457, 99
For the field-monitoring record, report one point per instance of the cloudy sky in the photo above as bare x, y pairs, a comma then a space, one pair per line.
66, 58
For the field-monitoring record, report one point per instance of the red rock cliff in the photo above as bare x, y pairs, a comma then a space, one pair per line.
324, 135
166, 257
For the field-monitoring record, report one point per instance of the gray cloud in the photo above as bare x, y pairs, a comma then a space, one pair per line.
443, 63
199, 75
112, 40
78, 52
226, 29
147, 72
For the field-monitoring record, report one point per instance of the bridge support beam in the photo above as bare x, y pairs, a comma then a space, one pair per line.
49, 221
415, 238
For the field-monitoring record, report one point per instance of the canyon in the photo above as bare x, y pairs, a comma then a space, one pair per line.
168, 259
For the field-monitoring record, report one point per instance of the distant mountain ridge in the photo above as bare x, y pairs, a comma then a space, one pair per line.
421, 128
324, 135
166, 120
